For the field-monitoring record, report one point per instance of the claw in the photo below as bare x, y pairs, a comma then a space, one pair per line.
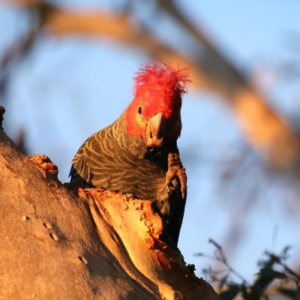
175, 169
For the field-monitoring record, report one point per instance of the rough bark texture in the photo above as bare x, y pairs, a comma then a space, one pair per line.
62, 242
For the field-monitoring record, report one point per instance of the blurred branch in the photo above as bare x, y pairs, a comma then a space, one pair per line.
22, 45
119, 29
2, 111
268, 133
14, 52
21, 141
222, 75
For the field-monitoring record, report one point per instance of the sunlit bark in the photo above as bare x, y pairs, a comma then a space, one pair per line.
61, 242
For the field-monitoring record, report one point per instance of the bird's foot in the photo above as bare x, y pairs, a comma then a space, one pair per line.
175, 169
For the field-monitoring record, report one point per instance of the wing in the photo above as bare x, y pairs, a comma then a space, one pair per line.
177, 218
80, 172
106, 161
176, 180
92, 164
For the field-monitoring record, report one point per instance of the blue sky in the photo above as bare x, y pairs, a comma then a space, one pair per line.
69, 88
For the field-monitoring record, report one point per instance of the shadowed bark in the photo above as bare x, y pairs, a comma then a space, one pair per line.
62, 242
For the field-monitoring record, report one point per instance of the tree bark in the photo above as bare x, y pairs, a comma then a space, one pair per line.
62, 242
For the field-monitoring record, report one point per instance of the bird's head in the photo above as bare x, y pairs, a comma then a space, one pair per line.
154, 113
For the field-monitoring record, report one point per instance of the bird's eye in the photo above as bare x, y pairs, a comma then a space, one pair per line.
140, 110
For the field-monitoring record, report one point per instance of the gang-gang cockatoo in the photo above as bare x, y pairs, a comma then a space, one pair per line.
138, 153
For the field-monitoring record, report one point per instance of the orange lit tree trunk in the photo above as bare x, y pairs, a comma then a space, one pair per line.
62, 243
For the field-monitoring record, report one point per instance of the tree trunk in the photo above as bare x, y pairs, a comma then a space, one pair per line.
61, 242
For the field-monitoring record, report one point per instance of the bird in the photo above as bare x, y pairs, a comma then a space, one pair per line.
138, 153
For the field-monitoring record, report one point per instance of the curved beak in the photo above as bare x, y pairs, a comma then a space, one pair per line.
155, 131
